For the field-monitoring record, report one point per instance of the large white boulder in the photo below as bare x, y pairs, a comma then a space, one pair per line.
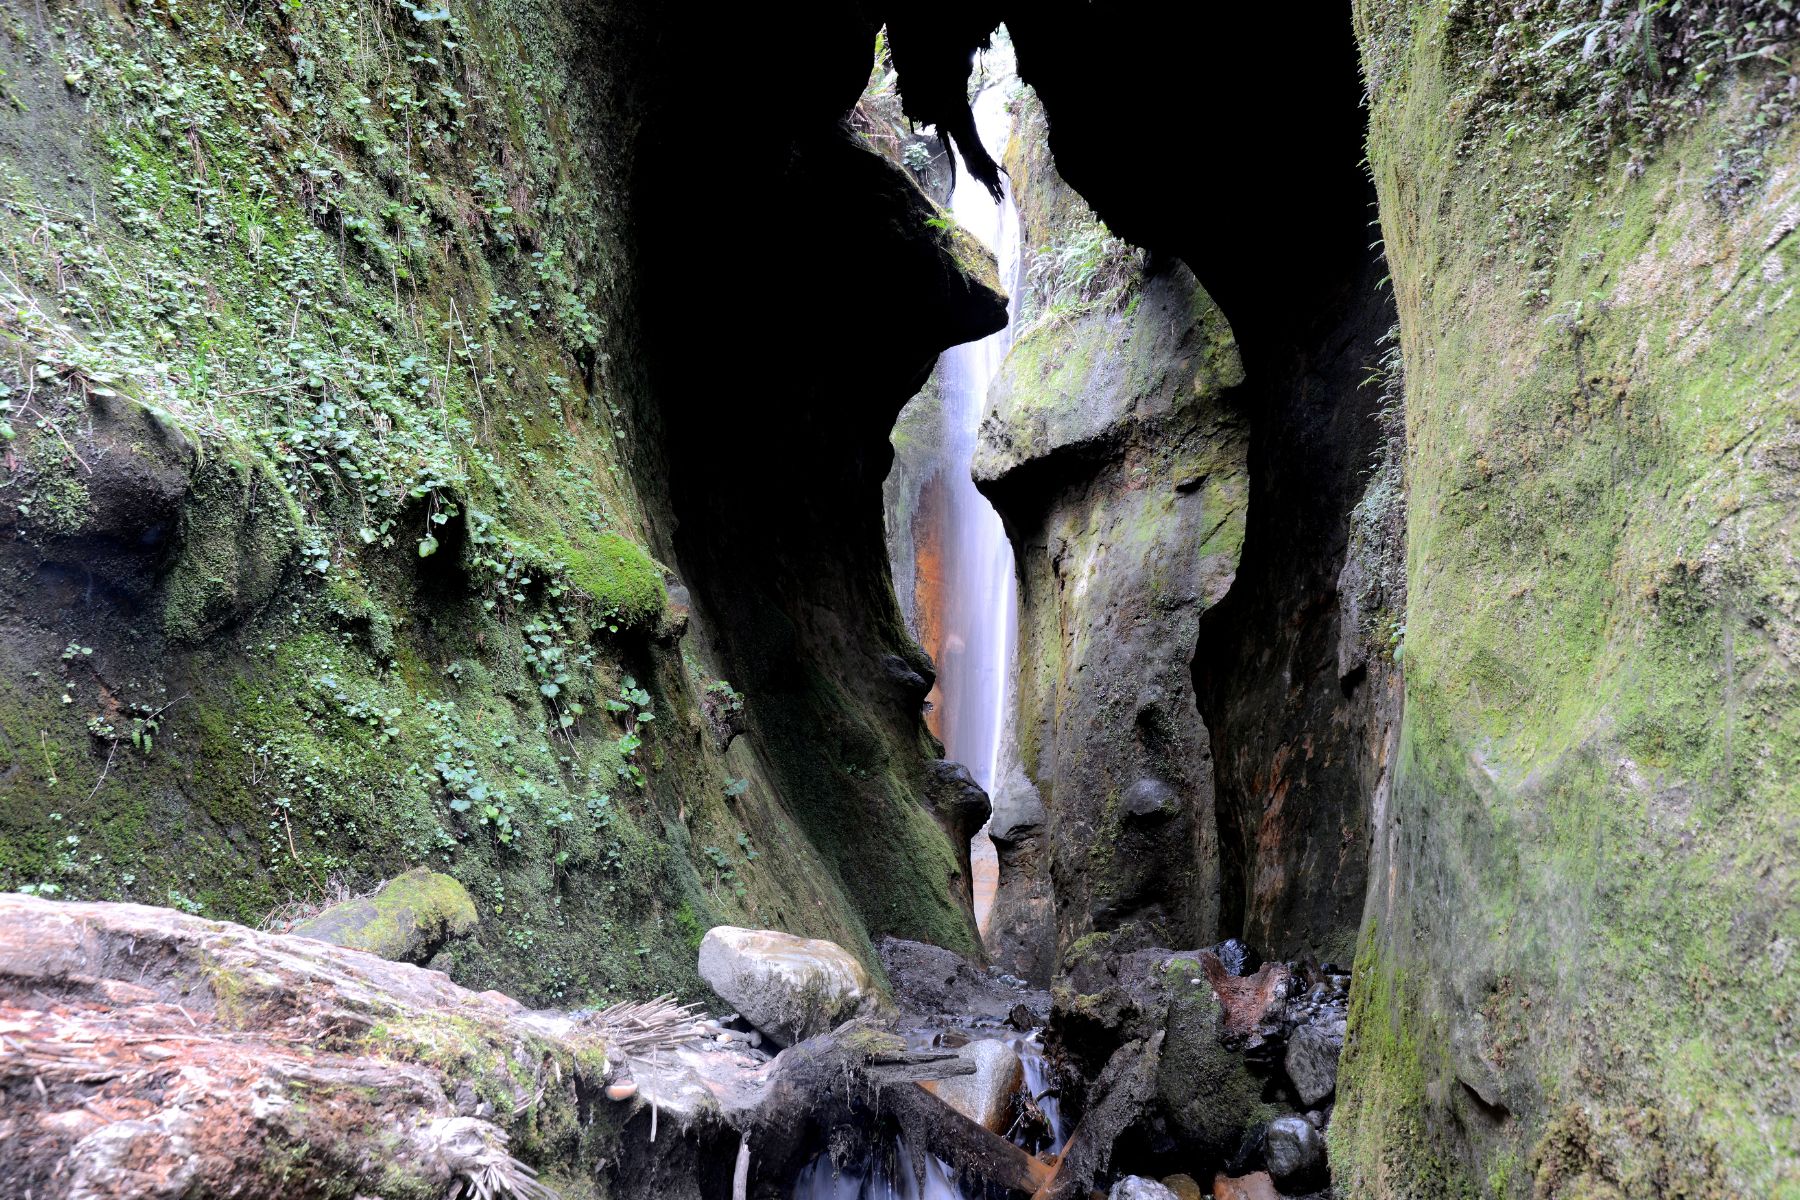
791, 988
986, 1097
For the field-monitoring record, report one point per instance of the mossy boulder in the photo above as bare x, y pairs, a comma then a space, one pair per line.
407, 919
1204, 1091
622, 576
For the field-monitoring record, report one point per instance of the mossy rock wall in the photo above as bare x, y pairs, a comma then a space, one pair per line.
1112, 450
1574, 976
333, 533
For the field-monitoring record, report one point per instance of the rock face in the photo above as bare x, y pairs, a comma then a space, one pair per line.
986, 1097
407, 919
348, 595
789, 988
1116, 459
1585, 897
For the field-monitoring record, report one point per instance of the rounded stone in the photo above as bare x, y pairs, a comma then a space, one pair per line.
1294, 1150
790, 988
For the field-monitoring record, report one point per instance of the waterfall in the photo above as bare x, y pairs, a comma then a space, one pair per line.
974, 628
979, 596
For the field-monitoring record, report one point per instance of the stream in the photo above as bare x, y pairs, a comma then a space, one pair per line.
889, 1176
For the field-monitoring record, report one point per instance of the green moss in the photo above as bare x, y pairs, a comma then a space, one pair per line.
403, 919
619, 574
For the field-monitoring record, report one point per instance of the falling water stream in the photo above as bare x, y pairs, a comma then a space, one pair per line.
979, 596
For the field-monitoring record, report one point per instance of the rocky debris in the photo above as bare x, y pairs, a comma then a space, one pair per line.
987, 1096
930, 981
1295, 1152
1136, 1187
1219, 1076
407, 919
1312, 1060
1255, 1186
790, 988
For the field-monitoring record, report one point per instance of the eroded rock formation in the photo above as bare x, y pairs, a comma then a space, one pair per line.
1115, 455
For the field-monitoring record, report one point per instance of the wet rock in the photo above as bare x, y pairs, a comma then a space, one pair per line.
1295, 1152
1234, 956
986, 1097
406, 919
912, 683
1256, 1186
932, 981
1136, 1187
788, 987
959, 804
1312, 1061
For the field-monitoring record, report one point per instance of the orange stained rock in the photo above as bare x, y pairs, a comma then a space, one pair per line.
1247, 1001
1245, 1187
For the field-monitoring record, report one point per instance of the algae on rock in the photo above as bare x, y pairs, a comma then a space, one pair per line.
1573, 976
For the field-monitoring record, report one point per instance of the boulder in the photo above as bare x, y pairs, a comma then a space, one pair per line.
1136, 1187
1312, 1061
1207, 1096
1184, 1187
1294, 1150
986, 1097
406, 919
790, 988
930, 981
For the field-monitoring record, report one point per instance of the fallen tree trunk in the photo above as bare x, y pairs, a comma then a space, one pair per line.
145, 1053
931, 1125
